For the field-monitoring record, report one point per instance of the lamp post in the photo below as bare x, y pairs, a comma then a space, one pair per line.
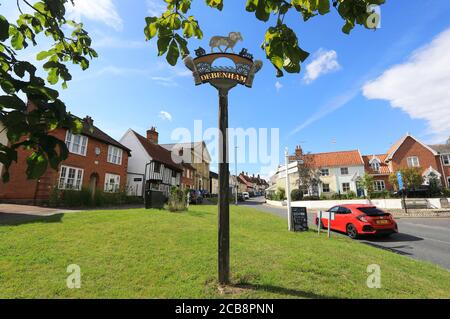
223, 79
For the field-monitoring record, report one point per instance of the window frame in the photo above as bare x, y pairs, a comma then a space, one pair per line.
376, 188
108, 179
411, 164
349, 187
118, 155
69, 140
77, 179
445, 156
324, 169
323, 188
376, 166
344, 168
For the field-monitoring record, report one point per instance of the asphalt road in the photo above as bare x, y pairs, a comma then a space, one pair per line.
420, 238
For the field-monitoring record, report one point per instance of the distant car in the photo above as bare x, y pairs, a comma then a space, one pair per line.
356, 220
246, 195
240, 197
195, 197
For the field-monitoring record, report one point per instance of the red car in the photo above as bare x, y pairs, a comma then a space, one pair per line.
357, 219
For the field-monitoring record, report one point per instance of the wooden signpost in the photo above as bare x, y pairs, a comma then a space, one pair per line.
223, 78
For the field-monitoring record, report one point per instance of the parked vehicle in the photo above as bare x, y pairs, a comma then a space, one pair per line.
195, 197
356, 220
240, 197
246, 195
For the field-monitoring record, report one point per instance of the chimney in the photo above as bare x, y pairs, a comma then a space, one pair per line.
152, 135
89, 121
298, 151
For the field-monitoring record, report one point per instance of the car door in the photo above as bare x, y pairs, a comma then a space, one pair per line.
341, 219
331, 211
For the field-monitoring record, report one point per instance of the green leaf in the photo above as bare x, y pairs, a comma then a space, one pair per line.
163, 44
4, 28
173, 53
37, 165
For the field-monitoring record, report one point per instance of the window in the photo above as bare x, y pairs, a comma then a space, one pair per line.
157, 168
345, 187
174, 174
375, 166
379, 186
114, 155
448, 181
413, 161
446, 159
112, 183
344, 170
70, 178
344, 210
334, 209
326, 188
76, 144
325, 172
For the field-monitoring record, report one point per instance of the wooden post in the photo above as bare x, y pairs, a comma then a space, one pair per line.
224, 206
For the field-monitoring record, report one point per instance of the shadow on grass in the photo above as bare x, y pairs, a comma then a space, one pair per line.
20, 219
283, 291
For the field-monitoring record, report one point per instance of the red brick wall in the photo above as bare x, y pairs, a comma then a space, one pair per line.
21, 189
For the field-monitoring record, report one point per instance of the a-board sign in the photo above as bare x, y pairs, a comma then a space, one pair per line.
299, 219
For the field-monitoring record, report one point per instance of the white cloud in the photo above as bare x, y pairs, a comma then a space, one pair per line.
324, 62
99, 10
155, 7
166, 116
278, 86
420, 86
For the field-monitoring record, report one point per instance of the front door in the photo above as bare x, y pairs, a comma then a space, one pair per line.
93, 182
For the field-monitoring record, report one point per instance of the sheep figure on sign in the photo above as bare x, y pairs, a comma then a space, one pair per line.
227, 42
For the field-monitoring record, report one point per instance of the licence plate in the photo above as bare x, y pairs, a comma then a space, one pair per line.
382, 222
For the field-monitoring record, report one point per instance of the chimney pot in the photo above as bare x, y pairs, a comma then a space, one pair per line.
89, 120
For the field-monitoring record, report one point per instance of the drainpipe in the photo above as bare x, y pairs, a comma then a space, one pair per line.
443, 172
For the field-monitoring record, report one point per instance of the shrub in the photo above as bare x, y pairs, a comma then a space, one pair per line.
296, 195
324, 197
177, 200
378, 195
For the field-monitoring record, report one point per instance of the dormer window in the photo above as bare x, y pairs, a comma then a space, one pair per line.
375, 165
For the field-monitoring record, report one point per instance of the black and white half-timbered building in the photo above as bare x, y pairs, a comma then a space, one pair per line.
152, 165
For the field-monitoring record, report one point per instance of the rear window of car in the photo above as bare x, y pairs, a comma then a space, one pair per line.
372, 211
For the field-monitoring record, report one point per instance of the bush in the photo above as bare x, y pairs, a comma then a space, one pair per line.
177, 200
380, 195
296, 195
83, 198
324, 197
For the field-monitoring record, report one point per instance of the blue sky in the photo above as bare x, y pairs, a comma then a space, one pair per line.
362, 91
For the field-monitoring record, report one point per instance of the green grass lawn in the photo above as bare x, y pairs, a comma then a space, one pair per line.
156, 254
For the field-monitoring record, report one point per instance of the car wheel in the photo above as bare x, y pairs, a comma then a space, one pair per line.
352, 232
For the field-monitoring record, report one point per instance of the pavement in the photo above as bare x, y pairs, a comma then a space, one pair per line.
425, 239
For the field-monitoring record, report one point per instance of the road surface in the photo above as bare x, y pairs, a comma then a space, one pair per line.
420, 238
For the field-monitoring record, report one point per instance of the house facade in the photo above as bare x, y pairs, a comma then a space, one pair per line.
188, 176
214, 183
151, 166
96, 162
197, 155
339, 172
433, 161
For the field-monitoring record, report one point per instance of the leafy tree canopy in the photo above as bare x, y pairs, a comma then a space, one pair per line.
70, 43
282, 47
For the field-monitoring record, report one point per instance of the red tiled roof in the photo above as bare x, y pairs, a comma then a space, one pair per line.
158, 153
384, 168
335, 159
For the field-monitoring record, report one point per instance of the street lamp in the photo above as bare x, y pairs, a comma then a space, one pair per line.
223, 78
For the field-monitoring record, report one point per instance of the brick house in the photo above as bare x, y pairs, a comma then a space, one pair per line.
96, 161
408, 152
187, 178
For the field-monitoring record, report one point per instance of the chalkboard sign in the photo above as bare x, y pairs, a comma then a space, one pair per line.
299, 218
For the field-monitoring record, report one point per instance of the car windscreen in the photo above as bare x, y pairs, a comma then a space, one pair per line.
372, 211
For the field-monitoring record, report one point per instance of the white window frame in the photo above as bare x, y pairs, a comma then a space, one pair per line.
323, 188
112, 188
82, 143
375, 166
349, 188
346, 168
411, 161
379, 185
446, 159
324, 169
64, 178
115, 155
